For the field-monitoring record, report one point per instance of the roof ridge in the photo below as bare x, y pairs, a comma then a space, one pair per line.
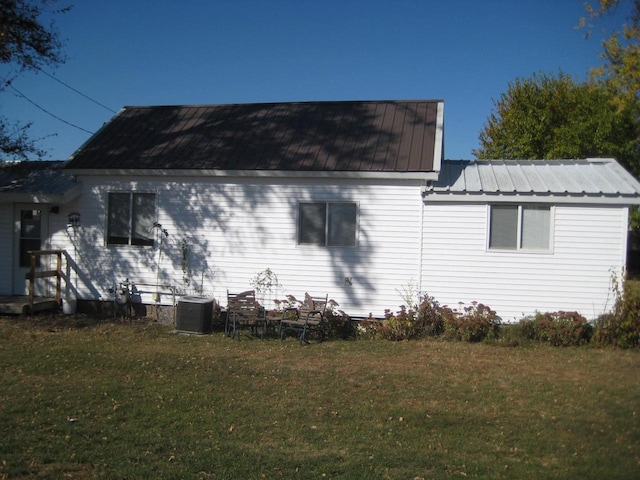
292, 102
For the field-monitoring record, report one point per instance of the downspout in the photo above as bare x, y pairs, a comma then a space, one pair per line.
625, 229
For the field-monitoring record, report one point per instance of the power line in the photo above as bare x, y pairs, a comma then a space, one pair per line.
77, 91
44, 109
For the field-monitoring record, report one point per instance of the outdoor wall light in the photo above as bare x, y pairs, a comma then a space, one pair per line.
73, 220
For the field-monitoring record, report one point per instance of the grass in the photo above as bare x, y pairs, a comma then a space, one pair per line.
80, 399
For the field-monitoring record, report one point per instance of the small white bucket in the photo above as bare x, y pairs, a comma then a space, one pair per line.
69, 306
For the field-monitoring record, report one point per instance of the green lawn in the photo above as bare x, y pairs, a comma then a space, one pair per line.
115, 401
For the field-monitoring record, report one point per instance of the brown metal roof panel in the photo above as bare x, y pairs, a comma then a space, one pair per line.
271, 146
186, 132
429, 138
417, 138
384, 138
312, 149
373, 135
268, 148
353, 136
228, 132
372, 132
321, 146
359, 139
304, 117
144, 128
403, 149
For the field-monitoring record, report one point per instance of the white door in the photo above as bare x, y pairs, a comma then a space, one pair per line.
30, 233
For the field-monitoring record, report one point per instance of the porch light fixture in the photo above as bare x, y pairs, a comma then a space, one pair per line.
73, 220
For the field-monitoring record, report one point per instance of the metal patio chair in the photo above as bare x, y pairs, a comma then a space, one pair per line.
244, 312
307, 318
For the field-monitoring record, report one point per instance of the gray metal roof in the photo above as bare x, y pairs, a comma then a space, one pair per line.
575, 179
358, 136
33, 181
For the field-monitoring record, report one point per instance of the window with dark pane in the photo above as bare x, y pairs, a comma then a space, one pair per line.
520, 227
30, 235
330, 224
504, 227
313, 218
130, 218
342, 224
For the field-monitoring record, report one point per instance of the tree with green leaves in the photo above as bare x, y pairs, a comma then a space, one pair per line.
25, 44
621, 51
554, 117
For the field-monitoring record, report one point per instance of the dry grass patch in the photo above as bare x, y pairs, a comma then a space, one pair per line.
104, 400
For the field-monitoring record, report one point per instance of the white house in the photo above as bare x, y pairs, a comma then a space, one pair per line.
351, 199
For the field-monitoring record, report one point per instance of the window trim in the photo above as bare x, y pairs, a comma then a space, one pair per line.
519, 225
326, 204
130, 242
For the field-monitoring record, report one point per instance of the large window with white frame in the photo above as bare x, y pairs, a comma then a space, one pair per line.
130, 218
329, 224
520, 227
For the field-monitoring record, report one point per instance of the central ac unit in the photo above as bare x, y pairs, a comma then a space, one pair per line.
195, 315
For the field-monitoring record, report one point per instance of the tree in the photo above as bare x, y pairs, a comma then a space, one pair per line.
26, 44
554, 117
621, 52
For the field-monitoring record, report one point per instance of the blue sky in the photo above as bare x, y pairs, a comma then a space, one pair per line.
165, 52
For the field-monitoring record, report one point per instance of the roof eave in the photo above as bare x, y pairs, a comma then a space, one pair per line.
546, 198
42, 197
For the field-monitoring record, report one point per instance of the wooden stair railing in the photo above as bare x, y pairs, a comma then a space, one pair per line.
32, 275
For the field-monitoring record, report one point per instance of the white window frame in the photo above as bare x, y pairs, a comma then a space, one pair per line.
327, 223
150, 242
519, 226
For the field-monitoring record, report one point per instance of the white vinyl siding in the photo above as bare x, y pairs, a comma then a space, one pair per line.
236, 228
588, 246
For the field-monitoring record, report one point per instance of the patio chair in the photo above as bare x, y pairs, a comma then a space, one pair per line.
306, 318
243, 311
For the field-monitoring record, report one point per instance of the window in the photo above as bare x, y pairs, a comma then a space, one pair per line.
519, 227
327, 224
30, 235
130, 218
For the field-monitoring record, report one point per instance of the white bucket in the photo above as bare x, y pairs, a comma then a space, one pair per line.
69, 306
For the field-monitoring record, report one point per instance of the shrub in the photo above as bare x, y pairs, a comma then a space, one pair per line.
516, 334
429, 319
471, 323
402, 325
405, 324
560, 329
430, 316
620, 327
338, 323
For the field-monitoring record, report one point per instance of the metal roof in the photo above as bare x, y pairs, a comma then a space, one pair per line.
358, 136
575, 179
33, 181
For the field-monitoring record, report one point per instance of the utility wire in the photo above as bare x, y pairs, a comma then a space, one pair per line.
77, 91
45, 110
